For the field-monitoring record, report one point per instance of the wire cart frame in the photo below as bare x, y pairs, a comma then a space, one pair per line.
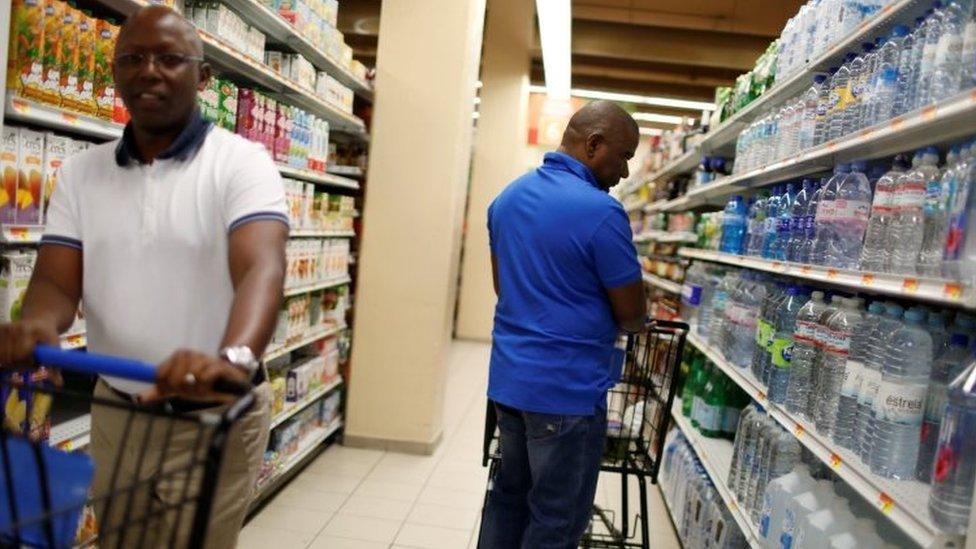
638, 417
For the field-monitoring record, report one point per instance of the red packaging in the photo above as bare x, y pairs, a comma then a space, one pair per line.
246, 109
282, 140
120, 114
270, 115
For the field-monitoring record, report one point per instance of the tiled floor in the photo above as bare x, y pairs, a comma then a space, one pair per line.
365, 499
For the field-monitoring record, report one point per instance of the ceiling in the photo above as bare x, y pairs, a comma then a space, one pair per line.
673, 48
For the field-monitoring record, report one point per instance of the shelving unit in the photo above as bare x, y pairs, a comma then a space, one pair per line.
662, 283
299, 290
347, 171
905, 503
312, 442
71, 435
666, 236
282, 350
25, 111
295, 407
944, 292
319, 178
319, 233
684, 163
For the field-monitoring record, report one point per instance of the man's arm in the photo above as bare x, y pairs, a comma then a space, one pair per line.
629, 305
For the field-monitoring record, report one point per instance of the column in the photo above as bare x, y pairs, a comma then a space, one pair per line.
499, 152
427, 67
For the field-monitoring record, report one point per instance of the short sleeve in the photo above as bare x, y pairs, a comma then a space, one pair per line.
63, 222
491, 232
254, 191
613, 252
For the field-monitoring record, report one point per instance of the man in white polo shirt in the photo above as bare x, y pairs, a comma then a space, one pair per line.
174, 237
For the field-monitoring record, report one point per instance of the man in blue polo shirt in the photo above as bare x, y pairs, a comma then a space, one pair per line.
568, 281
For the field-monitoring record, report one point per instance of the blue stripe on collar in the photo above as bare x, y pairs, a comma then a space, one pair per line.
182, 148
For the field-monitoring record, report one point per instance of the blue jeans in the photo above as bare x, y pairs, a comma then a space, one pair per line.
542, 493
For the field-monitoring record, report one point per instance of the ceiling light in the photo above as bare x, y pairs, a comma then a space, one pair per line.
641, 99
478, 84
555, 30
659, 118
651, 131
476, 115
477, 100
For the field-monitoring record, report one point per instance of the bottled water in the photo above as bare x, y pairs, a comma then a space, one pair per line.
734, 226
783, 347
804, 355
944, 369
752, 446
818, 375
887, 323
816, 528
959, 204
765, 326
968, 49
784, 224
846, 423
936, 215
876, 236
913, 91
756, 230
805, 250
714, 332
712, 278
799, 507
948, 61
741, 312
744, 438
933, 31
772, 220
907, 223
849, 218
797, 226
806, 134
884, 92
840, 98
907, 70
860, 367
691, 293
760, 463
837, 344
778, 492
955, 467
824, 104
899, 405
782, 455
864, 535
859, 82
825, 215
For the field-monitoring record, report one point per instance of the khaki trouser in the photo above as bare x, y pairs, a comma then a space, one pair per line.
154, 513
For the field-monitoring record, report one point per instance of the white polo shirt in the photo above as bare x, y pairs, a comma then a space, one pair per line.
155, 238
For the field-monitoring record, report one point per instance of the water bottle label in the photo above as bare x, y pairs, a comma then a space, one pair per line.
782, 352
902, 403
730, 420
870, 383
837, 342
910, 194
691, 294
883, 200
806, 332
825, 211
764, 333
853, 377
851, 211
933, 196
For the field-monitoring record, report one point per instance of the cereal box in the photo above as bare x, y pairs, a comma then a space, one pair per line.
245, 112
29, 179
68, 72
56, 149
227, 105
106, 33
270, 121
26, 48
9, 153
51, 70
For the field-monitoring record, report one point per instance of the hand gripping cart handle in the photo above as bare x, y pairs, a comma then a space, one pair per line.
150, 482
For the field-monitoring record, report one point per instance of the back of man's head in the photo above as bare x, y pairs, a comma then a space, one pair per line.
603, 137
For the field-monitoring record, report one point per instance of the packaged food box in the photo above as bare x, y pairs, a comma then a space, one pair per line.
70, 39
120, 114
246, 112
15, 272
25, 52
9, 164
273, 59
227, 105
29, 177
270, 121
80, 92
51, 54
56, 149
106, 33
209, 100
282, 133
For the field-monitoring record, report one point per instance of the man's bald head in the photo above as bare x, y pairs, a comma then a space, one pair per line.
603, 137
152, 17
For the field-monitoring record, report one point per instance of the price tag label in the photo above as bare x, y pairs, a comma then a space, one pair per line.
798, 431
897, 123
831, 146
20, 107
910, 285
866, 132
69, 118
18, 234
928, 113
885, 503
777, 265
831, 274
952, 290
835, 461
867, 280
805, 270
75, 341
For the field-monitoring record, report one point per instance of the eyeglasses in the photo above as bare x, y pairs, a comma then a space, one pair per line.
166, 61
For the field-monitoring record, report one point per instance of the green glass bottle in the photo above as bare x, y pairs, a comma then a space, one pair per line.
692, 385
713, 405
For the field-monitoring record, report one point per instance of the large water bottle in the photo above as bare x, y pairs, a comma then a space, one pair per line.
760, 463
782, 455
771, 223
752, 449
887, 323
691, 292
900, 404
744, 438
884, 93
864, 535
913, 91
818, 379
784, 344
816, 528
960, 206
806, 133
756, 224
712, 278
852, 205
936, 215
715, 329
882, 206
840, 329
771, 294
907, 229
801, 506
840, 97
948, 69
746, 315
797, 228
859, 81
945, 369
955, 459
966, 78
824, 104
825, 215
845, 426
907, 70
778, 492
934, 28
804, 253
861, 373
804, 355
734, 225
784, 224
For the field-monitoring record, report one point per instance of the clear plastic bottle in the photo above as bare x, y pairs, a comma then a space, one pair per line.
825, 215
966, 78
691, 292
955, 462
936, 215
756, 224
884, 93
712, 278
887, 323
797, 226
907, 70
945, 369
913, 97
734, 225
859, 89
819, 377
907, 228
806, 134
752, 450
784, 345
900, 404
840, 329
771, 293
840, 97
859, 366
948, 69
744, 439
804, 253
852, 205
845, 425
804, 355
760, 463
784, 223
713, 332
782, 455
934, 27
876, 235
771, 222
741, 312
960, 254
824, 104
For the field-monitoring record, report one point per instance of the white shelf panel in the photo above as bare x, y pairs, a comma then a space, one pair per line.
299, 343
73, 434
905, 503
662, 283
318, 177
279, 30
655, 206
312, 441
684, 163
319, 233
295, 407
348, 171
945, 292
666, 236
715, 455
56, 118
298, 290
634, 206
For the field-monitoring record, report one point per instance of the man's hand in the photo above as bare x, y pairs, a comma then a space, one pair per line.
18, 339
192, 375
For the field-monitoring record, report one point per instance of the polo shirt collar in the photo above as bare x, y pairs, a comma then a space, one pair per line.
186, 144
562, 161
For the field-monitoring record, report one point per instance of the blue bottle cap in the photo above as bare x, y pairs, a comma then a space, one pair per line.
820, 79
893, 310
867, 47
931, 150
876, 307
915, 316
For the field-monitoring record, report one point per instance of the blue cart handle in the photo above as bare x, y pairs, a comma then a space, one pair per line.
90, 363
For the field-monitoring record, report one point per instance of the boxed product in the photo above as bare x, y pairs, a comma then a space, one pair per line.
15, 272
9, 165
307, 201
270, 122
68, 71
55, 151
209, 100
26, 48
247, 113
106, 32
278, 395
274, 60
282, 126
29, 177
50, 90
227, 105
82, 96
329, 409
358, 69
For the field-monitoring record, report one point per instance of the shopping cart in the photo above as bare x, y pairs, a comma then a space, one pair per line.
44, 492
638, 415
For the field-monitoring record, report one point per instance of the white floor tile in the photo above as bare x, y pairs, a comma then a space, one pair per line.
429, 514
472, 481
431, 537
403, 491
299, 495
362, 528
260, 537
368, 506
295, 519
332, 542
452, 498
328, 482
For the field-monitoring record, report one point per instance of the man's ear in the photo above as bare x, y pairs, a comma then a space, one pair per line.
206, 73
593, 141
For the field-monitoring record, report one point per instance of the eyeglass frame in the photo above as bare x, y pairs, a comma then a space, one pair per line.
153, 58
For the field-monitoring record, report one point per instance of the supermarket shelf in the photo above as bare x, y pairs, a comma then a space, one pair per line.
904, 502
279, 30
21, 234
56, 118
684, 163
666, 236
317, 286
723, 137
309, 445
318, 177
285, 349
295, 407
347, 171
635, 206
662, 283
676, 205
655, 206
715, 455
944, 292
73, 434
303, 233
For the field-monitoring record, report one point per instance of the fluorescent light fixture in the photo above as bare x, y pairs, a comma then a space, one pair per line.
476, 115
659, 118
477, 100
555, 33
631, 98
651, 131
478, 84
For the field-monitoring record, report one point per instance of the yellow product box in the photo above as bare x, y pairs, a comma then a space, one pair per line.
106, 32
9, 165
51, 55
25, 55
56, 149
30, 166
68, 72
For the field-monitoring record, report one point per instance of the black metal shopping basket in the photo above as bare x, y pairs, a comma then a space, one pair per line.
638, 413
159, 495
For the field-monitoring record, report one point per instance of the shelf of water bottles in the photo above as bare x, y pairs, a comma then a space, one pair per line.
904, 502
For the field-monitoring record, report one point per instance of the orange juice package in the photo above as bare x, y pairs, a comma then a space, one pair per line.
9, 151
29, 183
69, 55
26, 49
105, 34
51, 70
86, 65
55, 151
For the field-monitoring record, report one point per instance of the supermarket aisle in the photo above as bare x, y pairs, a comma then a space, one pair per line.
351, 498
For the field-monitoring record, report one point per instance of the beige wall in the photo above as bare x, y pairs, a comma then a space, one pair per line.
427, 66
498, 154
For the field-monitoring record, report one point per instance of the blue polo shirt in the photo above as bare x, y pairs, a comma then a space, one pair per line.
559, 242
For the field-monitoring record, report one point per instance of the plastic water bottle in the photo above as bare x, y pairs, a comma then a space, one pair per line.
966, 78
734, 226
784, 224
840, 329
907, 228
804, 253
947, 72
756, 223
799, 507
712, 278
859, 82
852, 204
751, 451
936, 215
884, 92
782, 455
804, 355
778, 492
819, 379
825, 215
806, 134
876, 236
816, 528
945, 369
955, 459
840, 98
744, 438
915, 60
907, 70
760, 463
824, 104
691, 293
771, 294
745, 307
887, 323
959, 205
934, 27
900, 404
797, 227
784, 344
845, 424
860, 373
713, 332
771, 222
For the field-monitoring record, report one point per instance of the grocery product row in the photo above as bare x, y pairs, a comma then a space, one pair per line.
314, 261
313, 210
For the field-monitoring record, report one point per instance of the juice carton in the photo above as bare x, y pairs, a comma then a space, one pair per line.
106, 33
209, 100
15, 273
270, 122
29, 179
26, 49
51, 75
120, 115
9, 154
245, 113
56, 149
282, 131
70, 38
81, 84
227, 105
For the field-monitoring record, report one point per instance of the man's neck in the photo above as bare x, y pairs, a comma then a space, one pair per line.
151, 143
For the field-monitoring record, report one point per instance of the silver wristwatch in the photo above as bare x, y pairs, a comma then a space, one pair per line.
243, 357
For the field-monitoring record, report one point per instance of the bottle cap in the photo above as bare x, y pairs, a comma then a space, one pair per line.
876, 307
893, 310
915, 316
820, 79
859, 166
899, 31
